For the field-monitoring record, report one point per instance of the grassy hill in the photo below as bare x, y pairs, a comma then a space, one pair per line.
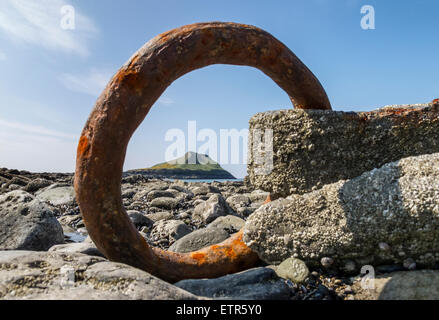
191, 166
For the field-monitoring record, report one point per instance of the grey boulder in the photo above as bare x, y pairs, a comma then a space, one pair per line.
292, 269
138, 219
37, 184
204, 189
57, 196
164, 203
159, 194
31, 275
26, 223
88, 248
252, 284
229, 223
402, 285
210, 209
171, 230
199, 239
161, 215
238, 201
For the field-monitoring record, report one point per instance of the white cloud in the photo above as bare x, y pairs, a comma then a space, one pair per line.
92, 83
166, 101
39, 23
2, 56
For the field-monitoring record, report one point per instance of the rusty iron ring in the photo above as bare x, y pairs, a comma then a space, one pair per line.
124, 104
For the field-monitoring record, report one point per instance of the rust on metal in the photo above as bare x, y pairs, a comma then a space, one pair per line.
83, 145
396, 115
124, 104
268, 199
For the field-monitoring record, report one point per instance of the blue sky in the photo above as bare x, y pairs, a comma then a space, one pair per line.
50, 77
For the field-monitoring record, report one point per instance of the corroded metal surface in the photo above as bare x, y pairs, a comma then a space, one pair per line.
124, 104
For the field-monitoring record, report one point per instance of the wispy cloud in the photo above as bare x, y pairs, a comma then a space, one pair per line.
166, 101
91, 83
39, 23
35, 130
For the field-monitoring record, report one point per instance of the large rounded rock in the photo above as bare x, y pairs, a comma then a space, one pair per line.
37, 184
255, 284
293, 269
150, 186
164, 203
204, 189
59, 275
170, 230
159, 194
57, 196
199, 239
211, 209
84, 247
229, 223
161, 215
238, 201
403, 285
182, 189
138, 219
397, 204
26, 223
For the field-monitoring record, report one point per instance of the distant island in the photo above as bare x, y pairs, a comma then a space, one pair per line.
188, 166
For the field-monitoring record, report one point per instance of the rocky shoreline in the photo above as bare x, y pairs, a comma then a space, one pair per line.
173, 215
181, 174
